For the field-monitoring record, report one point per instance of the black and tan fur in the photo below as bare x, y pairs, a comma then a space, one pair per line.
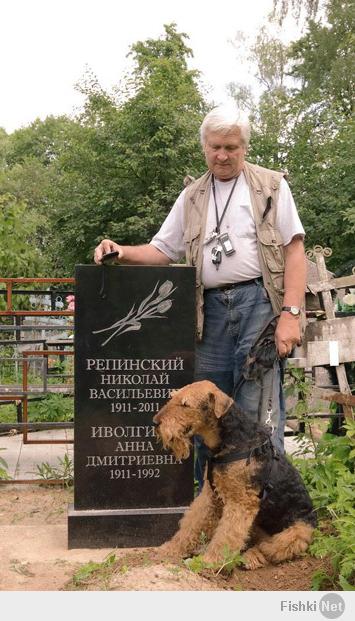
257, 505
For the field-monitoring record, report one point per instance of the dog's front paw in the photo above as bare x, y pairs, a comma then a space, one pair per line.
254, 558
212, 559
169, 552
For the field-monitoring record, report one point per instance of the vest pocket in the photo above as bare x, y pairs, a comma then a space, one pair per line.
271, 246
192, 243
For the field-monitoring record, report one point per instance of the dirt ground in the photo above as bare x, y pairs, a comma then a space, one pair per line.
34, 556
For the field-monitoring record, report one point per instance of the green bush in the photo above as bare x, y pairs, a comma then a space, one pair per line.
54, 408
330, 479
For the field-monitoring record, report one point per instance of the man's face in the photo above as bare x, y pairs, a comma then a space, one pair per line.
224, 154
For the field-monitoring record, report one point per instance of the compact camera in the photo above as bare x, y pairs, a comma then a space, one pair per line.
216, 255
226, 244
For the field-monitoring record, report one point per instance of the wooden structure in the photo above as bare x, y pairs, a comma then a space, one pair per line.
329, 341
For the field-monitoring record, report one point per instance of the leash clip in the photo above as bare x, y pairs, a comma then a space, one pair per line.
269, 414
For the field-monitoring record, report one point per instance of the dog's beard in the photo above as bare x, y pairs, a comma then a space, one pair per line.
179, 446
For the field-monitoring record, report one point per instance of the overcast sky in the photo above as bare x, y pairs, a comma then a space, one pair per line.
46, 46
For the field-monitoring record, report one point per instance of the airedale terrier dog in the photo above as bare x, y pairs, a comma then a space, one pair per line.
252, 499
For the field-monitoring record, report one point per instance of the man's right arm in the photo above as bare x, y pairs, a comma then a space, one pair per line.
166, 247
147, 254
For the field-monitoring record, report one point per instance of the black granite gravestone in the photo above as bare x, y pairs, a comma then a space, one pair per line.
134, 343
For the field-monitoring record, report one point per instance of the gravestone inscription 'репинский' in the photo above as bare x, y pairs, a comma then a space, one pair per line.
134, 343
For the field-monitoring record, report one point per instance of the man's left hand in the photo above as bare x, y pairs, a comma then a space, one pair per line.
287, 334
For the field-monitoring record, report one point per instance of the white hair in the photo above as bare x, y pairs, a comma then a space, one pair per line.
225, 118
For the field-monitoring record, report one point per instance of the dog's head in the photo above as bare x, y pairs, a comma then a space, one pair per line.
194, 409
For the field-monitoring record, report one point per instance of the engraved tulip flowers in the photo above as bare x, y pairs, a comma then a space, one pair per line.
152, 307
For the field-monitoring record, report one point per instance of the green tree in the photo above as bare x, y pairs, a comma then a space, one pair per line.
27, 173
323, 60
4, 141
41, 140
322, 159
282, 8
19, 256
128, 155
303, 123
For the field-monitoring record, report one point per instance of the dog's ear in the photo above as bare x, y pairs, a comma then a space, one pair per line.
222, 403
208, 402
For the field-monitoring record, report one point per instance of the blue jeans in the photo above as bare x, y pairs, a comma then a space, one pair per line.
233, 319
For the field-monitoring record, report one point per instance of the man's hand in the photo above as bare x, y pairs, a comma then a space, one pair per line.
105, 247
146, 254
287, 334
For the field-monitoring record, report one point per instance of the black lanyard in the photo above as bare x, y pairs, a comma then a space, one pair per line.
219, 221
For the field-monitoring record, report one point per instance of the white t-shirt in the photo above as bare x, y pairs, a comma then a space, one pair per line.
238, 222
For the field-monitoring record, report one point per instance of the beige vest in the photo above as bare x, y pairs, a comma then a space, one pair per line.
264, 187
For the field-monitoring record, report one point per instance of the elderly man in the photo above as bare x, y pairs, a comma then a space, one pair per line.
239, 226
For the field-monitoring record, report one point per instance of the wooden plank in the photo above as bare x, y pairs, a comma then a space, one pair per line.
333, 283
10, 391
344, 387
338, 329
336, 397
326, 295
318, 352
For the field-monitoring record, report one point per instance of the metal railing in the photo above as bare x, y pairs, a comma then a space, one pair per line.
23, 393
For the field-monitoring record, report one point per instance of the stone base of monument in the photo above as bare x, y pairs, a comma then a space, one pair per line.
122, 528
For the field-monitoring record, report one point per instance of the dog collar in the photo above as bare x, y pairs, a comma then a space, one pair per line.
236, 455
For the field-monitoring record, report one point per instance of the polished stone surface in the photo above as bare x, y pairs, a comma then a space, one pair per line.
134, 342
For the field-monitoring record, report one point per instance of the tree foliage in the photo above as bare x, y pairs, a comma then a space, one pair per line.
322, 155
19, 257
27, 174
116, 169
303, 123
125, 161
282, 8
